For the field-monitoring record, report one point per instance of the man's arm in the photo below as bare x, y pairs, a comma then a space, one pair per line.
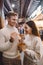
4, 45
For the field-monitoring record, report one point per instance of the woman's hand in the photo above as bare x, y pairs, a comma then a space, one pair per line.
30, 53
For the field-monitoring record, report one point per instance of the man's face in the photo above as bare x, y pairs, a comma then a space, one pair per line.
12, 21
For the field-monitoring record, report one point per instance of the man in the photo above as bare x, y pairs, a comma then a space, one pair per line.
21, 23
9, 39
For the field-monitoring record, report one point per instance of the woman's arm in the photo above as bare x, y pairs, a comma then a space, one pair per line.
38, 48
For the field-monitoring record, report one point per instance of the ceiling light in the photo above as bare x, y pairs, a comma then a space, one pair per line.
13, 5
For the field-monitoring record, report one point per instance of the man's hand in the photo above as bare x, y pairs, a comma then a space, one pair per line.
13, 36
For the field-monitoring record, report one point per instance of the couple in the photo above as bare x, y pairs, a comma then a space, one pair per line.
9, 39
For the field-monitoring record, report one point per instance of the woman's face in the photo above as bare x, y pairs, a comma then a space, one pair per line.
27, 29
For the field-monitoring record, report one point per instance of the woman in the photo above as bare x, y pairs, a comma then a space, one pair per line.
33, 43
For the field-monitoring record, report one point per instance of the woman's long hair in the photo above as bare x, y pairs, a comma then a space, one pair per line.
34, 28
1, 24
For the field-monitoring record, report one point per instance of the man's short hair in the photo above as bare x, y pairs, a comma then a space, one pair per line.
11, 13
